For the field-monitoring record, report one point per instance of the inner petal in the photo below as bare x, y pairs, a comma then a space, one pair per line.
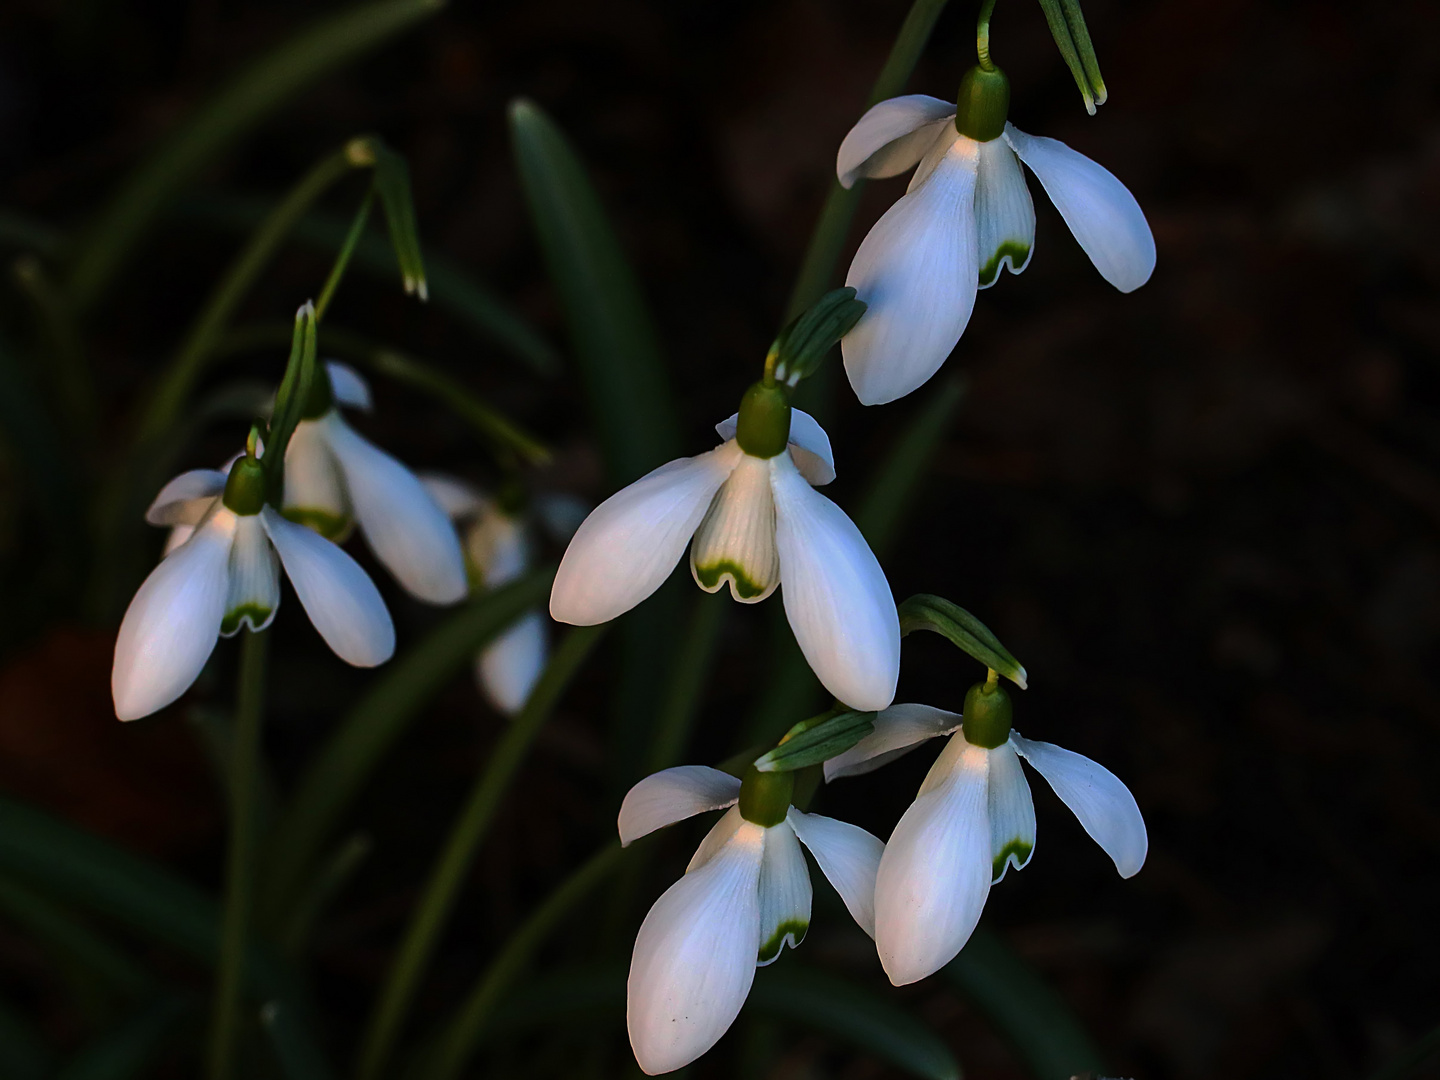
736, 541
254, 578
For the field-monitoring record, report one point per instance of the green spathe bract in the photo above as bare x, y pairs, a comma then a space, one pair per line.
763, 429
988, 715
765, 797
982, 104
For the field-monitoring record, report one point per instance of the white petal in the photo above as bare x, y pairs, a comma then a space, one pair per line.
1004, 213
458, 498
510, 665
1012, 813
836, 596
187, 498
348, 386
1101, 212
935, 873
898, 730
694, 957
736, 540
314, 487
726, 826
672, 795
849, 857
629, 544
254, 578
171, 625
918, 271
177, 536
784, 894
403, 524
339, 597
891, 137
809, 445
1096, 796
498, 546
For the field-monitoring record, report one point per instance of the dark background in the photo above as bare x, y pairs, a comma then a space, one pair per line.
1203, 515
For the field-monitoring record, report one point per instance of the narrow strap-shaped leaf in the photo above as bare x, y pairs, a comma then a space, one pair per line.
816, 744
266, 84
58, 931
332, 876
127, 1050
392, 184
925, 612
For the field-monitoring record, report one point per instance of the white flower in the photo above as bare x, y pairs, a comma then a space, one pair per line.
335, 477
744, 896
966, 213
971, 820
224, 574
756, 523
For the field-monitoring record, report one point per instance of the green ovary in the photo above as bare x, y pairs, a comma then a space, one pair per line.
332, 526
1017, 848
771, 948
711, 576
233, 618
991, 270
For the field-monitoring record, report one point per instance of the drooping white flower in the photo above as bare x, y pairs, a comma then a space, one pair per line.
335, 478
756, 523
224, 574
745, 895
966, 213
972, 819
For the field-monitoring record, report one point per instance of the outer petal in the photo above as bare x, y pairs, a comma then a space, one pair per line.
849, 857
402, 522
314, 487
809, 445
170, 627
187, 498
836, 596
509, 667
918, 271
1101, 212
458, 498
1012, 813
784, 894
1096, 796
694, 957
898, 730
672, 795
339, 597
177, 536
728, 824
1004, 213
349, 388
629, 544
935, 873
254, 578
736, 540
891, 137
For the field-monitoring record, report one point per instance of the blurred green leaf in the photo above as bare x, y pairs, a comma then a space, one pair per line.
370, 729
963, 630
392, 183
22, 1055
295, 1052
1032, 1017
20, 230
332, 875
129, 1049
818, 743
58, 932
263, 86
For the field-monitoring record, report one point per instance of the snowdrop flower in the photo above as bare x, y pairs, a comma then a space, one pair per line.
224, 574
757, 523
966, 213
972, 819
744, 896
335, 477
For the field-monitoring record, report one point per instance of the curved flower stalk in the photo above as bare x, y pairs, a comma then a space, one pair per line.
745, 895
966, 213
336, 478
752, 519
221, 572
971, 820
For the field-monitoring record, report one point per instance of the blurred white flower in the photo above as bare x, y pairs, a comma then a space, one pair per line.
966, 213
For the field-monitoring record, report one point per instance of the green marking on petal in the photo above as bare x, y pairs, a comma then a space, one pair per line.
710, 578
771, 948
254, 614
332, 526
1016, 849
1017, 252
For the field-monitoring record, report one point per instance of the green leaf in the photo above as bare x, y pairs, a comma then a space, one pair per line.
610, 328
297, 1055
61, 933
925, 612
1032, 1017
855, 1015
813, 743
369, 731
129, 1049
265, 85
392, 183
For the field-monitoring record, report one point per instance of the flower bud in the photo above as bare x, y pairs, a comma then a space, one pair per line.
982, 104
763, 429
765, 797
988, 715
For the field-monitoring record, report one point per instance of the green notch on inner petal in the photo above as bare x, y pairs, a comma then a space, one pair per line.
991, 270
253, 612
771, 948
711, 576
1017, 849
332, 526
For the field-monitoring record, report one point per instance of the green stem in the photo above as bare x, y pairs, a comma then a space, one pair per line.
347, 248
830, 231
466, 835
982, 35
240, 866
